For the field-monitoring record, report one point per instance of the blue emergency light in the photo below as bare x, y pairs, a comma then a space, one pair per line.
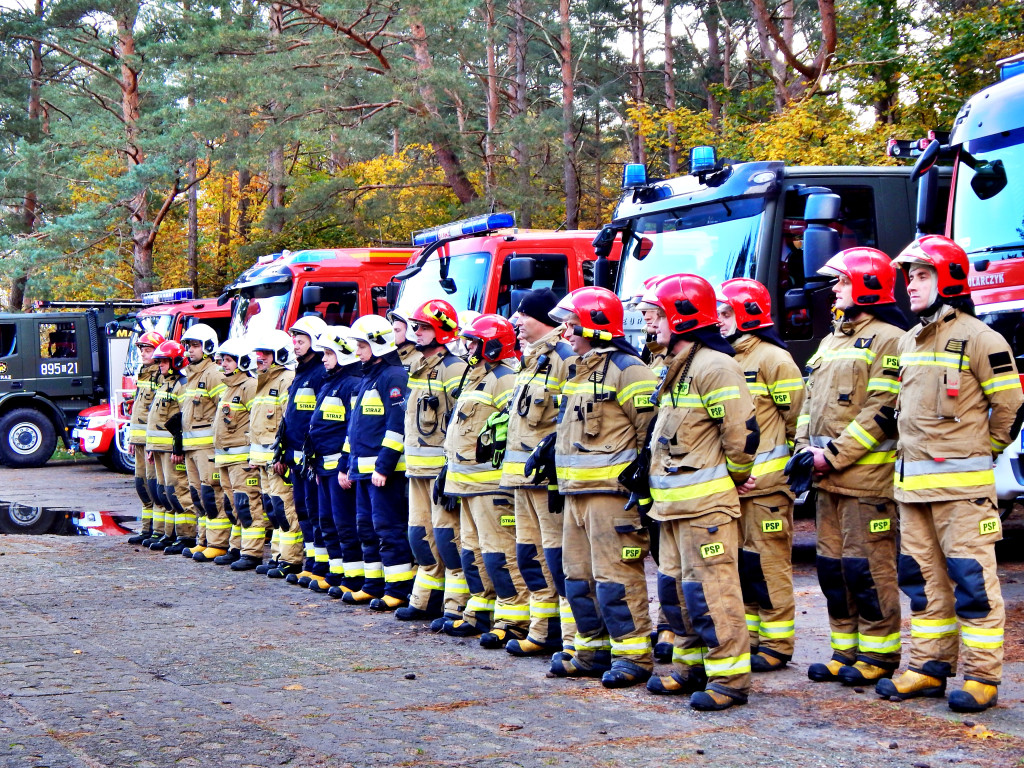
1011, 66
487, 222
167, 297
703, 160
634, 175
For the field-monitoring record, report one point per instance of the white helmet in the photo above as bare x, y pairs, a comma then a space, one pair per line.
458, 346
279, 344
338, 339
311, 325
394, 315
204, 334
234, 348
375, 331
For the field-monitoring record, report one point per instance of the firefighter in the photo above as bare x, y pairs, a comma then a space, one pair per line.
294, 429
239, 481
533, 412
439, 589
405, 346
321, 456
960, 404
498, 608
766, 524
374, 463
164, 448
198, 409
605, 411
848, 423
146, 382
275, 362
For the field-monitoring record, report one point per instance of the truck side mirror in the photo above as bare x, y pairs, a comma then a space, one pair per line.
925, 160
927, 193
821, 242
391, 292
603, 274
522, 270
604, 241
311, 295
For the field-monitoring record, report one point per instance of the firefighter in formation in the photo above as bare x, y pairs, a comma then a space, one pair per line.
506, 480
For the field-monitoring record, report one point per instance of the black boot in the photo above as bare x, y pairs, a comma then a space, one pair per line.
179, 546
228, 558
282, 569
139, 537
162, 543
246, 563
266, 567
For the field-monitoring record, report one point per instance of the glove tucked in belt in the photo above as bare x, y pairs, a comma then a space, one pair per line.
799, 470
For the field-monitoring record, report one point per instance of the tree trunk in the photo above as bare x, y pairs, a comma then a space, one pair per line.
638, 70
193, 227
714, 63
224, 227
244, 179
278, 181
570, 179
521, 152
490, 171
670, 90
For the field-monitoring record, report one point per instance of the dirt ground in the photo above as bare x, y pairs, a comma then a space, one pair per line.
115, 656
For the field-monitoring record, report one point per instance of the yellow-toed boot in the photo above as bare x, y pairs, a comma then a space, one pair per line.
973, 697
910, 685
862, 673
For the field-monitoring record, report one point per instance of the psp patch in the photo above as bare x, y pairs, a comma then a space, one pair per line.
396, 392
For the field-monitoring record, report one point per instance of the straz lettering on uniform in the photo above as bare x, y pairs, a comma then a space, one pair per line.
879, 526
369, 409
632, 553
771, 526
987, 526
508, 520
713, 549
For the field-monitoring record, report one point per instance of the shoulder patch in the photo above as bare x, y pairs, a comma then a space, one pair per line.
396, 393
864, 343
1001, 362
236, 399
750, 376
273, 393
202, 385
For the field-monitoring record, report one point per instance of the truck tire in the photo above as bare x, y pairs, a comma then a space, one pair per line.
19, 518
121, 456
27, 438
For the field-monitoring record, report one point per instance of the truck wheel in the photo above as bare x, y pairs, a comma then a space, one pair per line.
27, 438
121, 456
19, 518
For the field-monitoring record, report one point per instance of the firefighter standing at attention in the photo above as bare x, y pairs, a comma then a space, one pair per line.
848, 423
146, 381
959, 406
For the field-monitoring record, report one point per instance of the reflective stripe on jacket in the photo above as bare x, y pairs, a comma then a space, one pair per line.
267, 411
166, 403
433, 380
328, 429
203, 385
302, 396
231, 427
145, 389
375, 440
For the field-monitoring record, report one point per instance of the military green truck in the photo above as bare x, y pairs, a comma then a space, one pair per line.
52, 365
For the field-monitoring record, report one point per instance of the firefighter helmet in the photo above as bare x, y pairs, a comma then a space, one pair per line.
235, 349
204, 334
943, 255
311, 325
338, 339
750, 301
173, 352
279, 344
598, 311
150, 339
871, 272
375, 331
439, 315
688, 302
496, 335
636, 301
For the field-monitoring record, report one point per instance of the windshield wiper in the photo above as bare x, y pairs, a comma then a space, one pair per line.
995, 248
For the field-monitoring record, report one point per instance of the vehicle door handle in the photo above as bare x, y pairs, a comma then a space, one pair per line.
76, 382
17, 385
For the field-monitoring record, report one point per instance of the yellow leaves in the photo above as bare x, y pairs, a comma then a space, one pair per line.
294, 687
981, 732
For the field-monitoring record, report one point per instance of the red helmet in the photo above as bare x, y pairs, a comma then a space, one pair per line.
636, 300
947, 258
496, 335
439, 315
750, 301
871, 272
173, 351
150, 339
599, 312
688, 302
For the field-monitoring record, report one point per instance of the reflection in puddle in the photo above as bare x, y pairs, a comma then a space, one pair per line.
63, 521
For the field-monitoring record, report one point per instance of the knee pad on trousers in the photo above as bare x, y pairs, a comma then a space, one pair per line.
860, 582
420, 546
226, 501
971, 597
172, 497
444, 538
142, 490
668, 594
154, 491
911, 581
700, 615
242, 510
279, 513
471, 572
497, 569
554, 558
197, 501
209, 498
617, 616
166, 496
268, 509
533, 574
584, 609
752, 581
833, 586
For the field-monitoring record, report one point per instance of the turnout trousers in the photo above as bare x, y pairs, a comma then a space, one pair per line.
279, 507
947, 568
699, 587
243, 484
144, 472
857, 573
539, 557
436, 589
306, 499
503, 593
337, 526
180, 518
382, 519
766, 573
204, 492
603, 551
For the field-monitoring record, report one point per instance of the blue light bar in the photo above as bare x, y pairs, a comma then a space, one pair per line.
167, 297
703, 160
488, 222
634, 175
1011, 66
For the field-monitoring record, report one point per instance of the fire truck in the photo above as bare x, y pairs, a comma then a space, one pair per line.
485, 263
986, 217
101, 430
338, 284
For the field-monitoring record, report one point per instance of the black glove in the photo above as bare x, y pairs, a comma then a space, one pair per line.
556, 501
173, 426
800, 470
279, 453
636, 479
307, 462
442, 499
541, 463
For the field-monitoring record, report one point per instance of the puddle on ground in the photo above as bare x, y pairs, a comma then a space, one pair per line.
63, 521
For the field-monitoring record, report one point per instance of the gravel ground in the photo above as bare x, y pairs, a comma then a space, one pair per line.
115, 656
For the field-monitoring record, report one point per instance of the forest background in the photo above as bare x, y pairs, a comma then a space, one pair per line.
164, 143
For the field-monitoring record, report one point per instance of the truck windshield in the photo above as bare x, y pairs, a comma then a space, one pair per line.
715, 240
467, 280
259, 308
162, 324
985, 226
